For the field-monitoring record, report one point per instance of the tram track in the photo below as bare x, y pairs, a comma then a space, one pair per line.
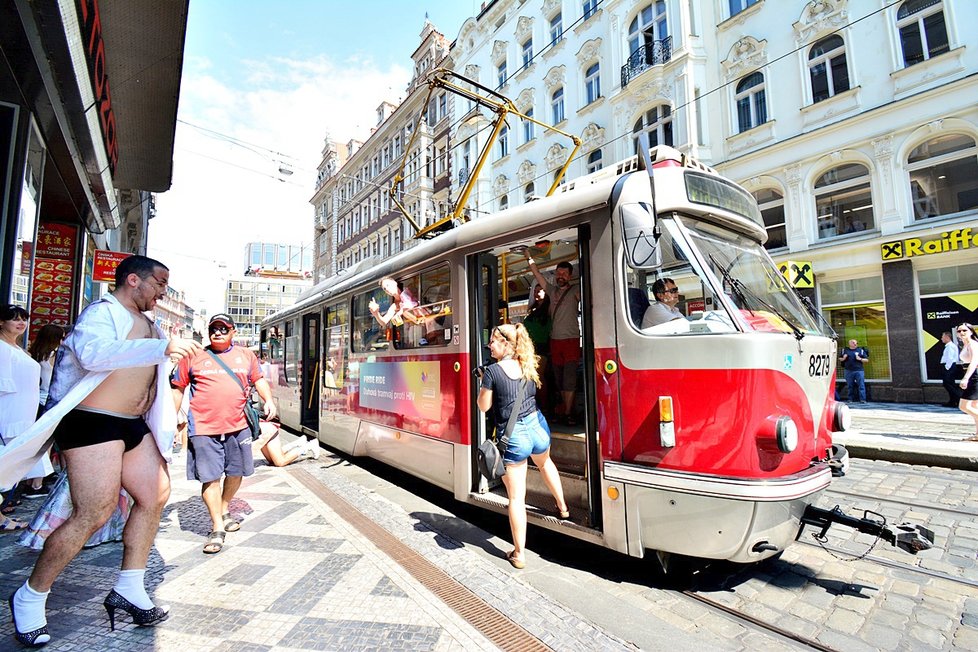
756, 623
915, 505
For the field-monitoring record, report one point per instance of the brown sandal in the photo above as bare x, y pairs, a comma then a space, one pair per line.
516, 563
215, 543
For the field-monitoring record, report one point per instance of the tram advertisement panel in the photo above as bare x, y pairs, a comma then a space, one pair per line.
407, 388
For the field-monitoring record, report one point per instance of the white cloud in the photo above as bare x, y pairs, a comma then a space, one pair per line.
223, 194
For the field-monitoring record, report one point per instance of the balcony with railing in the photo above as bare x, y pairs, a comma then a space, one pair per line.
651, 54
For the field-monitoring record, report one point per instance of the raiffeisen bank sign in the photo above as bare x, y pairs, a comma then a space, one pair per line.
956, 240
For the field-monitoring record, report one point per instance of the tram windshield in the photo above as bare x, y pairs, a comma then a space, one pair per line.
738, 289
761, 296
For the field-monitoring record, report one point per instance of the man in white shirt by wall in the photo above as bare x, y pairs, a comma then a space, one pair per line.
949, 369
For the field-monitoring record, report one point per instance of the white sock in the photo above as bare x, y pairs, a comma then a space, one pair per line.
29, 605
313, 448
130, 585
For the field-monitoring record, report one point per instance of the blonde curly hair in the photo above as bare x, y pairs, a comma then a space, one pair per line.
517, 336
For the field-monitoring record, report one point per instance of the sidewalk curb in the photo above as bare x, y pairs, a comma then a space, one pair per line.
957, 455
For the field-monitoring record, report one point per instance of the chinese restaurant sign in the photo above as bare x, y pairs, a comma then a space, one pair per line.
54, 274
105, 264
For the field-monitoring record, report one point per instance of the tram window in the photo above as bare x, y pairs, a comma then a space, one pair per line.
432, 317
276, 354
291, 351
337, 335
368, 335
676, 296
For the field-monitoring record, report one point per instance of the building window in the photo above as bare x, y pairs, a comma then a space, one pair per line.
528, 191
501, 75
844, 201
592, 83
594, 161
589, 7
504, 141
771, 203
943, 176
648, 26
528, 52
556, 28
256, 255
504, 202
529, 129
856, 311
657, 123
923, 33
557, 105
751, 102
827, 68
737, 6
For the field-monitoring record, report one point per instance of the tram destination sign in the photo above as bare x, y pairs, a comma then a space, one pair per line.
956, 240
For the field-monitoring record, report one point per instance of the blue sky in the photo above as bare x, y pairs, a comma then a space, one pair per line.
263, 83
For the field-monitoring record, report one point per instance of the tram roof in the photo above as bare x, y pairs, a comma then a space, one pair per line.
584, 194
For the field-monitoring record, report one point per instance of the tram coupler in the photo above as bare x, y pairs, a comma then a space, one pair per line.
906, 536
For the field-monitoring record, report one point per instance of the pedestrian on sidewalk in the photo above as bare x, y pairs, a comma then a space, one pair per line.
270, 446
220, 379
968, 357
852, 360
517, 364
949, 369
108, 392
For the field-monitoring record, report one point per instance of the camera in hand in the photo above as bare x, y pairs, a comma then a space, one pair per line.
478, 371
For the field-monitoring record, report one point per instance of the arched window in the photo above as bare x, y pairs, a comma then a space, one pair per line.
649, 25
592, 83
751, 102
557, 105
504, 202
943, 176
844, 201
923, 33
771, 203
657, 122
827, 68
528, 192
594, 161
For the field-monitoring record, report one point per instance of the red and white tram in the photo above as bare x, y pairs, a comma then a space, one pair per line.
707, 436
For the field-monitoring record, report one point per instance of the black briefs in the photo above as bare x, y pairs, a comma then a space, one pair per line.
82, 427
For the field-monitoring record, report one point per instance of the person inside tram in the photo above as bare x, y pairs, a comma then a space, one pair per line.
664, 309
401, 307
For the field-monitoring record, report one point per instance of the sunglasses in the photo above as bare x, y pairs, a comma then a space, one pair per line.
223, 330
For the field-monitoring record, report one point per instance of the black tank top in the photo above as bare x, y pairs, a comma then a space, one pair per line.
504, 391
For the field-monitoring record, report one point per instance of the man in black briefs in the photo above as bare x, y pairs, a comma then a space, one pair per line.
110, 372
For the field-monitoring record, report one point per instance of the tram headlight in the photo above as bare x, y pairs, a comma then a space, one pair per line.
786, 433
841, 417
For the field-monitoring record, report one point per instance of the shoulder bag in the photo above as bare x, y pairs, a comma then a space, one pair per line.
250, 413
489, 456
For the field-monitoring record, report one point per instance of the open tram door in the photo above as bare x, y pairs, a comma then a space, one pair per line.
485, 315
502, 288
309, 410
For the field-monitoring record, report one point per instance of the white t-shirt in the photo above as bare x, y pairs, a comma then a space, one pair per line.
659, 313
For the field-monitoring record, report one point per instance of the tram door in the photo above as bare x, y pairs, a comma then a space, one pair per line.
483, 286
309, 411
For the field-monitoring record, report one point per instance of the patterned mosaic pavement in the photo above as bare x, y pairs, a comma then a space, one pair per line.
296, 576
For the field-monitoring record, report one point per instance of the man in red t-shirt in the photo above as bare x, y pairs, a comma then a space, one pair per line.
219, 438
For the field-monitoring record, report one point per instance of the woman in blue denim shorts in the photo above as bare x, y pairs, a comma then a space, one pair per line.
512, 347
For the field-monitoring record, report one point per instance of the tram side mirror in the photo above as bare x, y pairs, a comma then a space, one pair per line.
641, 235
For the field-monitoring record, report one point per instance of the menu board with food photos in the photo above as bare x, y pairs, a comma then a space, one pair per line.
54, 274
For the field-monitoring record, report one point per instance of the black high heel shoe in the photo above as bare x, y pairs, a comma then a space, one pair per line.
141, 617
27, 638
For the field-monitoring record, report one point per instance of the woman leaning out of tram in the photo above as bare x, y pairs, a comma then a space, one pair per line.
512, 347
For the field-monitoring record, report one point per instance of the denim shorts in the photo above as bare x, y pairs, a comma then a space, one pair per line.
211, 456
531, 436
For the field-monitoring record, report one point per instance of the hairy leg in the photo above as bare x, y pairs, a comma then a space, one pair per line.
211, 493
146, 478
94, 479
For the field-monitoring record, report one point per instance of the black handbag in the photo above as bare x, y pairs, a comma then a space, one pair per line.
489, 455
250, 412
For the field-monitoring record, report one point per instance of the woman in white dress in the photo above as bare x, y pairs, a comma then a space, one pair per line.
20, 382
